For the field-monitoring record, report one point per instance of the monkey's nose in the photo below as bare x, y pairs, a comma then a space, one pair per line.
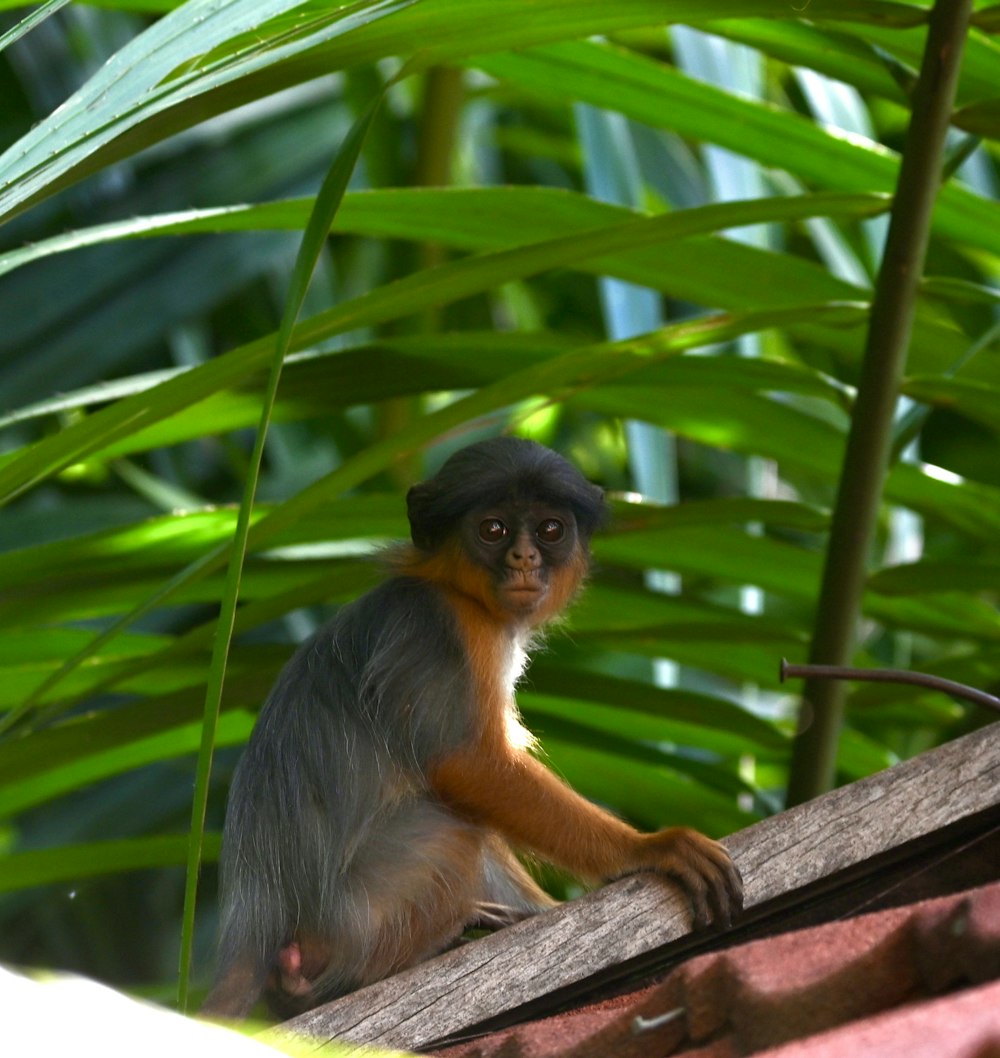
523, 556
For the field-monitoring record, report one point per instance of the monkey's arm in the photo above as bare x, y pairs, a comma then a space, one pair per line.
510, 791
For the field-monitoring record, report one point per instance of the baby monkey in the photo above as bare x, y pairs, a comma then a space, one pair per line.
374, 814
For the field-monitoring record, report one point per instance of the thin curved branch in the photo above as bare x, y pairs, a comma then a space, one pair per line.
920, 679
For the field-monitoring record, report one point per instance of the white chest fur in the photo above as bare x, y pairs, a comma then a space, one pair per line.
517, 734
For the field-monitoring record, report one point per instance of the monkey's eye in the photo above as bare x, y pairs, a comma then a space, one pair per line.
492, 530
551, 531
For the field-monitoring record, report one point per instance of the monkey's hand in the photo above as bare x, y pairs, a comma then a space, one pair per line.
702, 868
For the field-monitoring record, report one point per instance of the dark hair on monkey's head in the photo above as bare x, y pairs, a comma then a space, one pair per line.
502, 469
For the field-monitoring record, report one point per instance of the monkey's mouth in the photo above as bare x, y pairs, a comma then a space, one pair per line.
524, 590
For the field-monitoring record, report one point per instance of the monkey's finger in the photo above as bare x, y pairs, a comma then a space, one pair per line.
496, 916
697, 888
715, 890
734, 886
726, 892
694, 881
725, 884
721, 899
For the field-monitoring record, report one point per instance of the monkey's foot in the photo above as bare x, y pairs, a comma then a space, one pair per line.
299, 964
497, 916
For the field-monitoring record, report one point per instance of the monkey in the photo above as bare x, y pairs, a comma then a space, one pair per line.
374, 815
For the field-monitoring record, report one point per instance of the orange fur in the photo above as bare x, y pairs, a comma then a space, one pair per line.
498, 784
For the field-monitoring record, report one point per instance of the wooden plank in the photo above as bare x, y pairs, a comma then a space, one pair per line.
635, 916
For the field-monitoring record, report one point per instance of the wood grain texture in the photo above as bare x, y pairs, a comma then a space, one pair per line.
778, 856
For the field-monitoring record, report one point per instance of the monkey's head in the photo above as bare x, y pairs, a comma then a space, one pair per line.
518, 513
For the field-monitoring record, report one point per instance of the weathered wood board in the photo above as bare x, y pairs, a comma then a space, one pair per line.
630, 918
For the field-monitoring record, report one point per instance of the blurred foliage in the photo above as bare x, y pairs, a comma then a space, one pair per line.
568, 222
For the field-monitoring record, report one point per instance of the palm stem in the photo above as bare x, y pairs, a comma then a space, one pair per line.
870, 436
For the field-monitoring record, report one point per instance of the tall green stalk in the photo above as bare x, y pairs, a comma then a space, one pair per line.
870, 437
324, 209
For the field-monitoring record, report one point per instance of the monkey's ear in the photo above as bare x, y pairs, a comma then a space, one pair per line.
424, 511
590, 506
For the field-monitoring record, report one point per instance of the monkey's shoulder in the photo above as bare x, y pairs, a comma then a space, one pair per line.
400, 648
378, 646
388, 670
404, 616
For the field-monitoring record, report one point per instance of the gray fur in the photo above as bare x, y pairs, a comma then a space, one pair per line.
329, 805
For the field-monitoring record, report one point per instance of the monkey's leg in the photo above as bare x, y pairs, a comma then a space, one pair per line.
236, 991
414, 884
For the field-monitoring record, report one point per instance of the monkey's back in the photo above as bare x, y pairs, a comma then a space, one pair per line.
338, 753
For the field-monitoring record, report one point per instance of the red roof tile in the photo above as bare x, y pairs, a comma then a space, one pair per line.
965, 1025
856, 987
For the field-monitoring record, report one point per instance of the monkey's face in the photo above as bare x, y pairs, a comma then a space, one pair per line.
522, 546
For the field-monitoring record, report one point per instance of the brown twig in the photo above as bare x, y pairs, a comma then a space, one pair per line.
920, 679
